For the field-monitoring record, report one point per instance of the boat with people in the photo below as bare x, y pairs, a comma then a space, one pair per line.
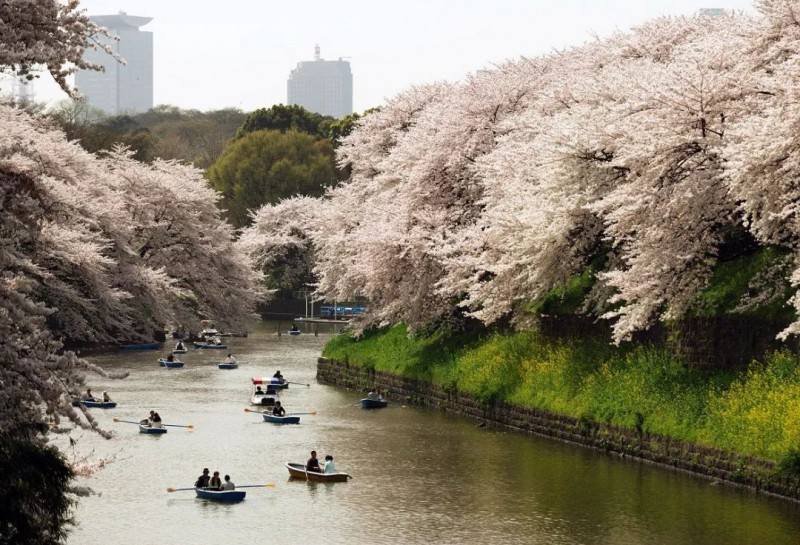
374, 400
263, 392
145, 426
173, 364
180, 348
96, 404
298, 471
220, 495
209, 329
212, 343
275, 419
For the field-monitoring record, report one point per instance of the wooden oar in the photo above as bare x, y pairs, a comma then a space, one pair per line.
268, 485
298, 383
313, 413
190, 426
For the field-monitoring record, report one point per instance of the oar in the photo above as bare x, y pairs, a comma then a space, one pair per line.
298, 383
190, 426
268, 485
312, 413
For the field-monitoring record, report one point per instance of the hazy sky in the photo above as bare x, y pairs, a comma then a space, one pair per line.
239, 53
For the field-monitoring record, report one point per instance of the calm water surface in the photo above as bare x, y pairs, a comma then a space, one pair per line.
418, 476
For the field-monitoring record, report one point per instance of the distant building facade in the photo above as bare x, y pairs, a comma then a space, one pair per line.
121, 88
324, 87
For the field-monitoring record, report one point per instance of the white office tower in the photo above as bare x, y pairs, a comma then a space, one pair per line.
122, 88
324, 87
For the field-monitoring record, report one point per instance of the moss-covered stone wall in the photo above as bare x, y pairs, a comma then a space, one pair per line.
727, 467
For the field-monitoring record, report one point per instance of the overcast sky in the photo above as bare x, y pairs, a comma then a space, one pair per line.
214, 54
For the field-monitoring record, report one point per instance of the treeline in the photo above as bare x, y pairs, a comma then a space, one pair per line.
624, 174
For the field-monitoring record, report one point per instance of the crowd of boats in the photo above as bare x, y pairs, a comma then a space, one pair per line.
265, 396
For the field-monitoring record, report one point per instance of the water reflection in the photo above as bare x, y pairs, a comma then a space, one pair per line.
418, 476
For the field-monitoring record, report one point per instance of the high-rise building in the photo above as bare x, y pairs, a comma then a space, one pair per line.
122, 88
324, 87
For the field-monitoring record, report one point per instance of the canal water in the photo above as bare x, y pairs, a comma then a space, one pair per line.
419, 477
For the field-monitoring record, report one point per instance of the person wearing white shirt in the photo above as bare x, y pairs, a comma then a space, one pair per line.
228, 484
329, 466
230, 359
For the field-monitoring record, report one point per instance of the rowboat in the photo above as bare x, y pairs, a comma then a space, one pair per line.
179, 351
210, 345
98, 404
264, 397
294, 332
220, 495
145, 427
277, 383
298, 471
228, 365
274, 419
140, 346
172, 364
368, 403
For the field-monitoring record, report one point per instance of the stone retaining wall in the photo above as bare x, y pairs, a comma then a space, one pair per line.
728, 467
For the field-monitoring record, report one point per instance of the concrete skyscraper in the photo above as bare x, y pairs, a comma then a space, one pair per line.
121, 88
324, 87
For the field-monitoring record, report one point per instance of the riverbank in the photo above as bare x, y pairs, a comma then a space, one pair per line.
740, 428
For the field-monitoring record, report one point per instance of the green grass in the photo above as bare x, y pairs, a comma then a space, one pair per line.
755, 412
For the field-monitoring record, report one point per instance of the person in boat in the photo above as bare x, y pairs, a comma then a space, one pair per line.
203, 480
259, 391
313, 463
180, 346
155, 420
374, 395
294, 328
278, 409
215, 482
89, 396
271, 391
106, 398
230, 359
278, 375
329, 466
228, 484
170, 358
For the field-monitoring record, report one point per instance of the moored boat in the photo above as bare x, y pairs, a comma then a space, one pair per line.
368, 403
140, 346
298, 471
273, 419
220, 495
145, 427
98, 404
171, 364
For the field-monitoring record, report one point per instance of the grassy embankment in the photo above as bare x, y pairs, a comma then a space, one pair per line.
753, 412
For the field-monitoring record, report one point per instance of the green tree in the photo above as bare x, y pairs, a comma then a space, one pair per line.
264, 167
285, 118
34, 501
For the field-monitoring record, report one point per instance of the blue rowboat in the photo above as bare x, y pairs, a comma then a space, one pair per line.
278, 384
211, 346
170, 364
273, 419
228, 365
140, 346
294, 333
180, 351
220, 495
368, 403
99, 404
145, 427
